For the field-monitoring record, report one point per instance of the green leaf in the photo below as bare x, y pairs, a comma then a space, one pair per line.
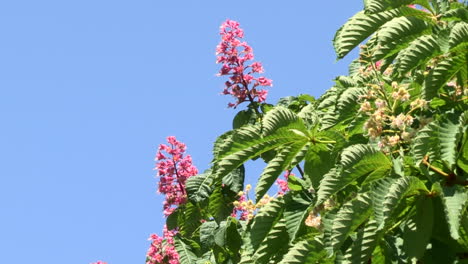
308, 250
186, 254
449, 136
244, 117
220, 205
272, 244
189, 219
172, 220
356, 161
235, 179
358, 28
362, 247
439, 140
349, 217
459, 34
417, 229
280, 117
400, 27
379, 192
247, 145
442, 73
199, 187
425, 143
321, 158
400, 189
455, 201
264, 221
207, 230
417, 53
457, 14
309, 115
286, 158
295, 213
233, 239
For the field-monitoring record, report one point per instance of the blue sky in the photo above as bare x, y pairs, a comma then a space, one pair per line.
90, 88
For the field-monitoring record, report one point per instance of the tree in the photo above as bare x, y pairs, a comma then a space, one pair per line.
381, 157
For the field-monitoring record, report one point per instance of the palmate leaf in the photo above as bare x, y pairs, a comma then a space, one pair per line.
417, 229
455, 201
207, 231
356, 161
248, 147
419, 51
458, 34
349, 217
399, 189
287, 157
443, 72
348, 101
235, 180
309, 115
295, 213
280, 117
199, 187
450, 135
439, 140
358, 28
189, 219
400, 27
220, 205
425, 143
321, 158
264, 221
379, 191
186, 254
272, 244
457, 14
375, 6
340, 106
306, 251
366, 240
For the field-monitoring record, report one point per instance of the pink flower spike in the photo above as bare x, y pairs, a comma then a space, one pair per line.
233, 52
264, 81
257, 67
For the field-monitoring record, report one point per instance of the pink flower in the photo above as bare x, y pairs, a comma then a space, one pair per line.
234, 54
283, 184
257, 67
262, 81
162, 249
99, 262
173, 170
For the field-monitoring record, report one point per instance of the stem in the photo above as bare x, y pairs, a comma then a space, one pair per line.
178, 177
300, 170
325, 141
426, 162
246, 86
382, 89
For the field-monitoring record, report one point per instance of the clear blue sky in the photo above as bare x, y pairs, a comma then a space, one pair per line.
90, 88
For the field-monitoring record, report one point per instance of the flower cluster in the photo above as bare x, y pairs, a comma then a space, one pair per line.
314, 220
234, 55
283, 184
162, 249
99, 262
173, 170
246, 208
383, 122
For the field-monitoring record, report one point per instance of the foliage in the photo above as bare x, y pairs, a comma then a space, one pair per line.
381, 157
